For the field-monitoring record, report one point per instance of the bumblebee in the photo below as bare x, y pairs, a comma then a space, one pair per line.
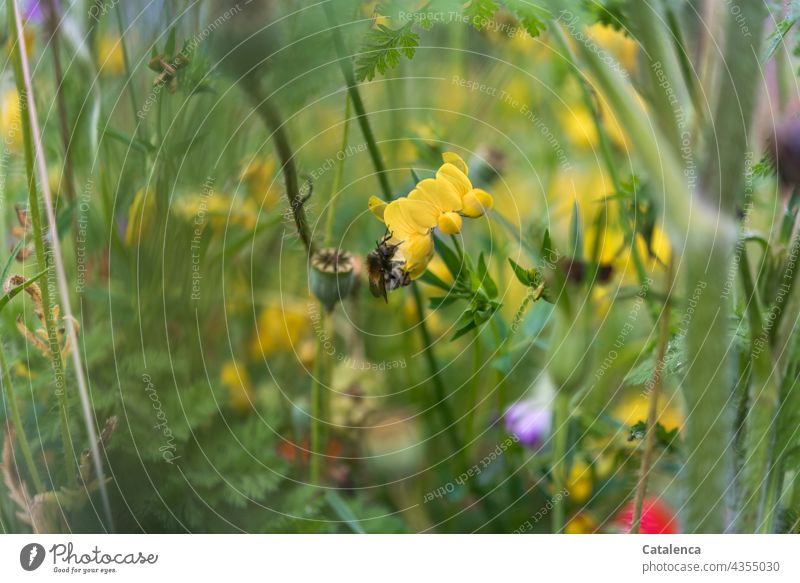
384, 272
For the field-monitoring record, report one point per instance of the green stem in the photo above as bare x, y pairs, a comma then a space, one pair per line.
271, 118
559, 465
15, 416
358, 105
652, 414
316, 455
41, 258
141, 130
337, 174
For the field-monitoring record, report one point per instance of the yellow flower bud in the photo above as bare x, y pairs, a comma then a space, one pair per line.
450, 223
376, 206
476, 203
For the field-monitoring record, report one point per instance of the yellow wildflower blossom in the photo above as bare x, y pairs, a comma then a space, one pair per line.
110, 57
280, 328
581, 523
434, 203
235, 379
579, 481
11, 120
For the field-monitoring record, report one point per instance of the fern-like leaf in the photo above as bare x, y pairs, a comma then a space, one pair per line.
382, 49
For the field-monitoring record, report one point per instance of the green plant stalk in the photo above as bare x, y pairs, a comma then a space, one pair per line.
652, 413
337, 175
652, 34
272, 120
15, 416
358, 105
316, 455
141, 130
559, 465
760, 415
41, 258
727, 140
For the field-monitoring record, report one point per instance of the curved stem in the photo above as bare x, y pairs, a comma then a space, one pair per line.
272, 119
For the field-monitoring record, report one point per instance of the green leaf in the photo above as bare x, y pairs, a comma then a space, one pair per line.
433, 280
454, 265
10, 262
382, 49
343, 511
169, 49
442, 301
471, 325
480, 12
486, 280
520, 273
547, 251
778, 35
532, 18
10, 295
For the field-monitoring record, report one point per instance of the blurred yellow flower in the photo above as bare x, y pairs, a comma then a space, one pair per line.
434, 203
11, 121
581, 523
623, 48
579, 481
110, 57
635, 408
235, 379
141, 215
280, 327
579, 126
257, 177
219, 211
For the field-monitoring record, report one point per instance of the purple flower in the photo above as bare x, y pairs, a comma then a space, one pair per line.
528, 422
36, 10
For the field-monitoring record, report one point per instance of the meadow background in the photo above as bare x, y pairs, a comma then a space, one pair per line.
610, 345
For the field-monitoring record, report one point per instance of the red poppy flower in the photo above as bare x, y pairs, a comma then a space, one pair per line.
657, 517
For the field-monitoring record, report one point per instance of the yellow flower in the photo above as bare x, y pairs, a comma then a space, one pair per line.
581, 523
433, 203
109, 55
635, 408
141, 215
579, 481
11, 120
257, 177
621, 47
280, 328
235, 379
579, 126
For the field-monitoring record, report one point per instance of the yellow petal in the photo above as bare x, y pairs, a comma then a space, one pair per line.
417, 251
455, 177
450, 223
440, 193
455, 160
476, 203
376, 206
406, 216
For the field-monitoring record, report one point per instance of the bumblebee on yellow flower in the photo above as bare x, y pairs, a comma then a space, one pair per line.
435, 203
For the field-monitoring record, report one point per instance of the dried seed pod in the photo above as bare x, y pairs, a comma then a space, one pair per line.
331, 275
